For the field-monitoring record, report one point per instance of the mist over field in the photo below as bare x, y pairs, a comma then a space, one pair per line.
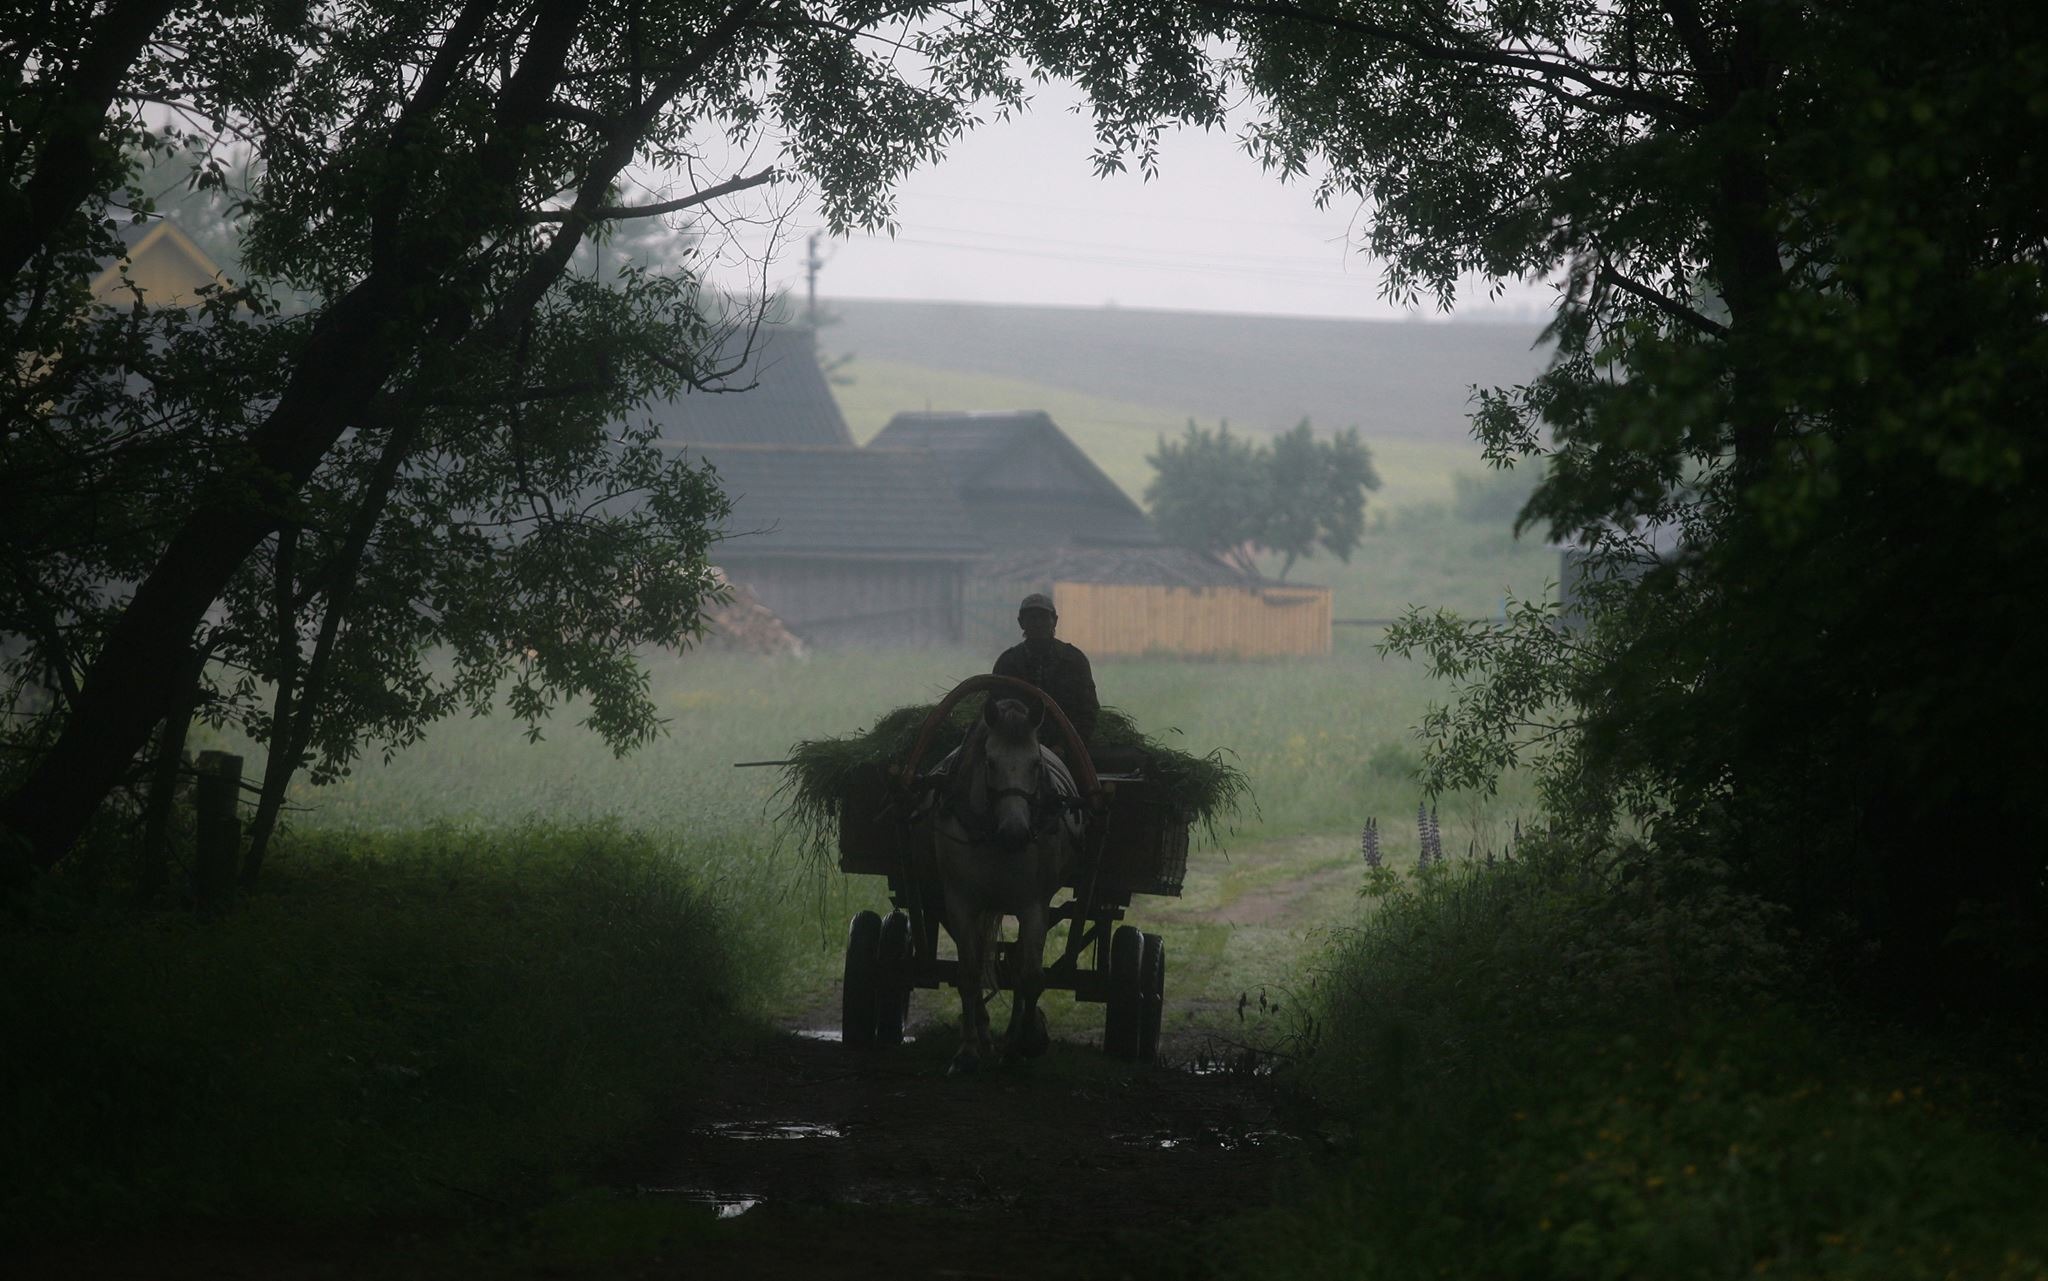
1393, 380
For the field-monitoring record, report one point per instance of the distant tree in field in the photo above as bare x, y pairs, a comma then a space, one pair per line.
1208, 492
1229, 496
1316, 494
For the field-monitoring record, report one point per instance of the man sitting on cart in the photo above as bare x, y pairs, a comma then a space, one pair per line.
1056, 667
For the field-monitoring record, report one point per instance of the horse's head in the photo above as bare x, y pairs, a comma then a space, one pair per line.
1014, 771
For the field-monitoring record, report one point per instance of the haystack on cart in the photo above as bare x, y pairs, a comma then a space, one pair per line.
1134, 842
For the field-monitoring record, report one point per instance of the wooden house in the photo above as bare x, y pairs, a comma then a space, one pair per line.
1055, 523
160, 261
1026, 483
848, 546
774, 393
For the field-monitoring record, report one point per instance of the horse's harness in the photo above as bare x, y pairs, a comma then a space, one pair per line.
1045, 802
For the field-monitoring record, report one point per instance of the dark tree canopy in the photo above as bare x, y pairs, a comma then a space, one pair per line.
1800, 347
410, 422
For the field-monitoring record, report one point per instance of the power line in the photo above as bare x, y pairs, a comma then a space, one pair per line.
1180, 265
1122, 213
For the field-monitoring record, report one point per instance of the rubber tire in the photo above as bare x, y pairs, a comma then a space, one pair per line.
1151, 997
860, 987
892, 991
1125, 1007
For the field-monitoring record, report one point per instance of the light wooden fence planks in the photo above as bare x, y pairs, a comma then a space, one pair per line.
1241, 622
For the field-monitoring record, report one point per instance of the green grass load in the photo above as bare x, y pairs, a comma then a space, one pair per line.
824, 775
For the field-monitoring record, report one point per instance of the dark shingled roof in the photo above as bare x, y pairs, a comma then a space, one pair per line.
1149, 566
987, 452
788, 402
814, 502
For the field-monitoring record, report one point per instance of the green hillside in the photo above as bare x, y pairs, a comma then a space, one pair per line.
1392, 379
1117, 434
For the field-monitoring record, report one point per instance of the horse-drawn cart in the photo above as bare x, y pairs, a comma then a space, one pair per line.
1134, 841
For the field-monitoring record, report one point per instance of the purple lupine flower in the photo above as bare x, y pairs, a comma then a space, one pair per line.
1369, 843
1421, 836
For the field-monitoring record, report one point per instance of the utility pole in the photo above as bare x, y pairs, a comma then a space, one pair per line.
811, 264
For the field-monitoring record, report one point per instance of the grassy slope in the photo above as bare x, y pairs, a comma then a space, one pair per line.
393, 1023
1393, 380
1549, 1074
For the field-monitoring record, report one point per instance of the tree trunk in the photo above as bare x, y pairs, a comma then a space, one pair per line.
133, 681
281, 760
163, 784
352, 352
72, 143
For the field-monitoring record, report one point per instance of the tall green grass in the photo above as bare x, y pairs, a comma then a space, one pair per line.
393, 1022
1547, 1073
1326, 744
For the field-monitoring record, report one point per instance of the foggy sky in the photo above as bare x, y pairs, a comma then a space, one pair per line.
1015, 214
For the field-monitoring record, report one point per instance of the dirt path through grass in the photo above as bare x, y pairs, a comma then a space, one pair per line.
821, 1162
792, 1156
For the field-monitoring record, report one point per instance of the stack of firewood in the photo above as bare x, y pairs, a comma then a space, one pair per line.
742, 624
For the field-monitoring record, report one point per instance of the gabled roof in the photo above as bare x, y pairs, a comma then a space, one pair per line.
160, 259
988, 452
822, 502
1162, 566
785, 401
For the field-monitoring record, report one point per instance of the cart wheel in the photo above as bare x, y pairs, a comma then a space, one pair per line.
1120, 1024
892, 991
1151, 997
857, 992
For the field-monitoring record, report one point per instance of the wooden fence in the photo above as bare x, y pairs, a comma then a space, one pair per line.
1241, 622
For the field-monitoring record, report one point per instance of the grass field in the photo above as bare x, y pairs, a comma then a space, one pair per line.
1326, 744
404, 1022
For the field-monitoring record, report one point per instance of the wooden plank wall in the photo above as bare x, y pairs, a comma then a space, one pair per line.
1242, 622
858, 604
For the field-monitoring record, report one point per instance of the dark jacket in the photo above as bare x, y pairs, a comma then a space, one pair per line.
1063, 672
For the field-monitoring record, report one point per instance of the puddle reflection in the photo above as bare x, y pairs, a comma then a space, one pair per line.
1220, 1140
725, 1204
753, 1130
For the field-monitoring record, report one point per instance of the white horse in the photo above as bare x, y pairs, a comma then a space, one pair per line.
1006, 831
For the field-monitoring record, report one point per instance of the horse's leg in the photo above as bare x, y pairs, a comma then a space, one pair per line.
990, 925
965, 926
1026, 1036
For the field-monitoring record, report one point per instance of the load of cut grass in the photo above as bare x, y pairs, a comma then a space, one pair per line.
825, 775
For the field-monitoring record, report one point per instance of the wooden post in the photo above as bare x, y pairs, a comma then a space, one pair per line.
220, 831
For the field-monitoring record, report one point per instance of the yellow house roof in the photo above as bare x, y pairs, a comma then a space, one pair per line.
161, 261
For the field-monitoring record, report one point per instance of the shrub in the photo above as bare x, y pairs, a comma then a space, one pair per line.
1547, 1069
390, 1019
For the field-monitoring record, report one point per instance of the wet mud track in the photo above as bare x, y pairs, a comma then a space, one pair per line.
820, 1161
799, 1158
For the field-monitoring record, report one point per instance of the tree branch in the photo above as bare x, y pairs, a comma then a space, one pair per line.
610, 213
1559, 67
520, 395
1670, 307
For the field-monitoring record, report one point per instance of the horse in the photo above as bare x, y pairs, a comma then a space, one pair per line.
1007, 829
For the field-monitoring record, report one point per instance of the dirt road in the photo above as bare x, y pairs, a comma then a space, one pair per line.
824, 1162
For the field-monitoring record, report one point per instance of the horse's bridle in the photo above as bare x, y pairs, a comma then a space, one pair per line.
981, 827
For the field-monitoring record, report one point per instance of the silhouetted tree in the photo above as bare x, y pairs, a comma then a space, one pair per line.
416, 452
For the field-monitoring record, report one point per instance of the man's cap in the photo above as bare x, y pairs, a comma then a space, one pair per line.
1038, 600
